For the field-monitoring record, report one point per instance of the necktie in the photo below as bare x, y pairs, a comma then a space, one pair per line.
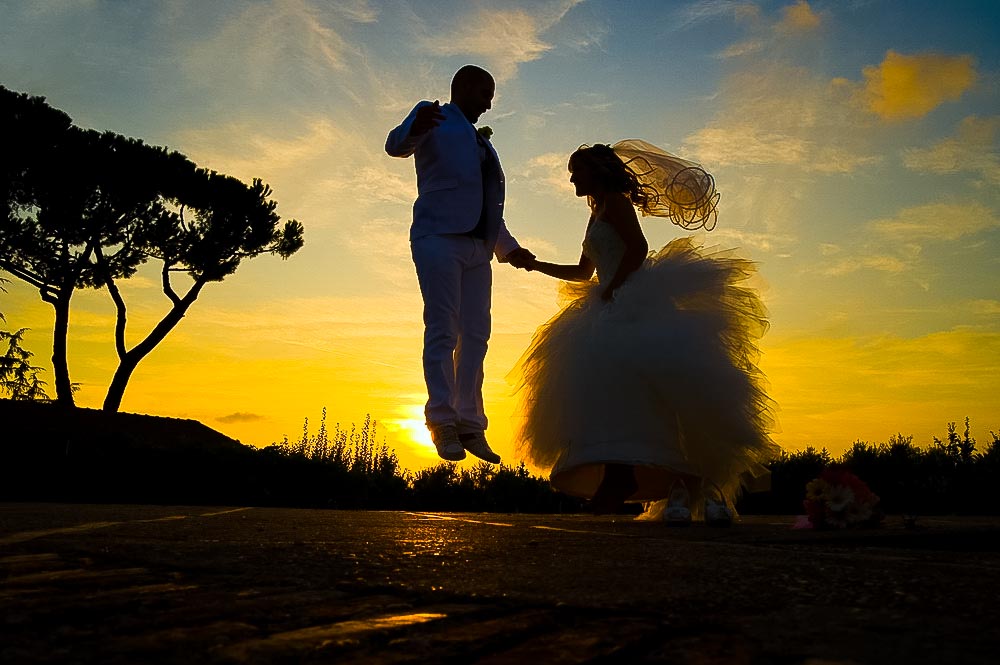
486, 167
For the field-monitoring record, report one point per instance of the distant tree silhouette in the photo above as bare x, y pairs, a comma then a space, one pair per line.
85, 209
19, 379
45, 194
219, 221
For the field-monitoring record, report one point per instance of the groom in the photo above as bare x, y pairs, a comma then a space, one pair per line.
457, 227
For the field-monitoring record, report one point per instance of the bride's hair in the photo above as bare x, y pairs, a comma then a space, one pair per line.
656, 182
617, 177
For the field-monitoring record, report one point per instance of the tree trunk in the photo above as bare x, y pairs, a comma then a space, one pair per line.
60, 366
128, 362
116, 391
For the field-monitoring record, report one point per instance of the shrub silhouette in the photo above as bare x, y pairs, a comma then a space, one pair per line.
59, 454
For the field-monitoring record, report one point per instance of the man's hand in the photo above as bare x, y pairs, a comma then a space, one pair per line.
521, 258
427, 118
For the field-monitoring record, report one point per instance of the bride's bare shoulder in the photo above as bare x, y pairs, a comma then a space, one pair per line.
618, 209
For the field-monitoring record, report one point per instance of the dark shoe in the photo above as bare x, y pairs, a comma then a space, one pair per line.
446, 441
475, 443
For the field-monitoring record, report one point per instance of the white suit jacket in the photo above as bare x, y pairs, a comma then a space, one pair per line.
449, 179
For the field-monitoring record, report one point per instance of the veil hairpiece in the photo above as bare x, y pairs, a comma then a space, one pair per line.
684, 192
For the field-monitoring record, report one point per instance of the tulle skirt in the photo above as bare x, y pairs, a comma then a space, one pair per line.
664, 378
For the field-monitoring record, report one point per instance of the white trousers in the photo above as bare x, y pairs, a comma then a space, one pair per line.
456, 282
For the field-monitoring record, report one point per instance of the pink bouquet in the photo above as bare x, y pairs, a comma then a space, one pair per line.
837, 500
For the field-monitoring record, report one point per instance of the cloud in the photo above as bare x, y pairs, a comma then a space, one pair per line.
503, 38
385, 245
869, 387
782, 115
240, 417
738, 49
376, 183
320, 171
799, 18
245, 149
878, 262
765, 32
895, 243
762, 241
548, 174
985, 307
745, 144
696, 13
837, 159
903, 87
937, 221
278, 41
974, 149
359, 11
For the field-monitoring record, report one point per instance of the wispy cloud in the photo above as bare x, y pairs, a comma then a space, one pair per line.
739, 49
972, 149
896, 244
503, 38
548, 174
703, 11
320, 172
767, 32
937, 221
763, 241
240, 417
278, 40
849, 380
384, 242
985, 307
778, 114
878, 262
746, 144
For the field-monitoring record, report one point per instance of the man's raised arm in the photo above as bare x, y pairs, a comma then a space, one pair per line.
403, 140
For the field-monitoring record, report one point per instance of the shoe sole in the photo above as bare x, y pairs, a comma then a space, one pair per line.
451, 457
485, 459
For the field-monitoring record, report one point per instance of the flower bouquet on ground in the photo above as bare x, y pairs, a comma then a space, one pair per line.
839, 500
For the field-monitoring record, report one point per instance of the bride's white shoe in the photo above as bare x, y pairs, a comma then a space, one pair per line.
717, 513
678, 511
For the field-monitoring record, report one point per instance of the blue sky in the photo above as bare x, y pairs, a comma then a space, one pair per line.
855, 145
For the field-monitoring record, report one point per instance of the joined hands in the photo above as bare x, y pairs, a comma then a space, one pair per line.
521, 258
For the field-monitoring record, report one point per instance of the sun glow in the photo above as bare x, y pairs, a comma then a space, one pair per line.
410, 430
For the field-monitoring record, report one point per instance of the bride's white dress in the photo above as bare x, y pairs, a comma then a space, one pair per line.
663, 377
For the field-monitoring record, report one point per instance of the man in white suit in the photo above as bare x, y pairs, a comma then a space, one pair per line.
457, 227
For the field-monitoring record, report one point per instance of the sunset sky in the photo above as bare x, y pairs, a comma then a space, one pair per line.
856, 145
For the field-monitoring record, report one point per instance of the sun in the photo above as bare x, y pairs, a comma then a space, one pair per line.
411, 430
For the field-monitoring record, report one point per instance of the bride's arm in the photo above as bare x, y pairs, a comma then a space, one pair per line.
579, 272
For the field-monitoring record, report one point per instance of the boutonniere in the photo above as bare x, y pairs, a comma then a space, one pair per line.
485, 131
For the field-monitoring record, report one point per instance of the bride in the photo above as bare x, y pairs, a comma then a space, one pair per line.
644, 386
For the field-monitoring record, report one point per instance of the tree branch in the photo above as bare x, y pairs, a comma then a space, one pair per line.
167, 289
121, 314
48, 292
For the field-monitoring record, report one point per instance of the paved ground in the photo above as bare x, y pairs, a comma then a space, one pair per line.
150, 584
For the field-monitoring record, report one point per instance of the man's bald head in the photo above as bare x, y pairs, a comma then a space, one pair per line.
470, 75
472, 90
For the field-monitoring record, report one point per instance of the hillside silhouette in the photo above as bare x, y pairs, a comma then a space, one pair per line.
53, 453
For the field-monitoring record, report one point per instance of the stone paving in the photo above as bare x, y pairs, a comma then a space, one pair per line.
167, 584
